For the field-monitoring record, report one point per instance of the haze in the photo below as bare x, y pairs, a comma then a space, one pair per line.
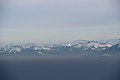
52, 21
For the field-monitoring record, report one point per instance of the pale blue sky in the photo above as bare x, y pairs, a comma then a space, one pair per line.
49, 21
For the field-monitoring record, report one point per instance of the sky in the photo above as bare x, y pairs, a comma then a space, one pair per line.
53, 21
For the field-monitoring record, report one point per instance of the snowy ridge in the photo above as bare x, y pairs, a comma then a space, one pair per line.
82, 47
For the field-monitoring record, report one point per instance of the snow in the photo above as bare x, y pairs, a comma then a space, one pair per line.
79, 45
93, 49
41, 53
15, 49
67, 45
37, 48
45, 48
109, 45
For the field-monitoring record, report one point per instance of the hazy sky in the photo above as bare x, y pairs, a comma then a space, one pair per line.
48, 21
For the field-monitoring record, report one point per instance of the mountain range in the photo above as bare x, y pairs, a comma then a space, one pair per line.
79, 48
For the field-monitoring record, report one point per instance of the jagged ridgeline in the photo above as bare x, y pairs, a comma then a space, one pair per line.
81, 47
